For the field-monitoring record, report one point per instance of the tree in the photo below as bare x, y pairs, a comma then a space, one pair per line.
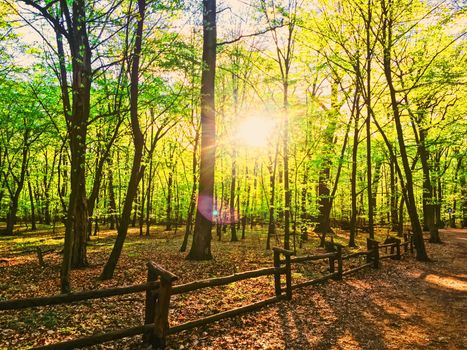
137, 170
387, 41
201, 244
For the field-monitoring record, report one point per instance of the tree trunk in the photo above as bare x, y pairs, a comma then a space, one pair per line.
353, 182
141, 208
233, 224
112, 205
463, 185
368, 122
429, 211
272, 201
19, 181
74, 254
411, 204
324, 194
201, 245
168, 223
287, 193
394, 198
31, 200
246, 209
14, 196
137, 170
456, 182
192, 205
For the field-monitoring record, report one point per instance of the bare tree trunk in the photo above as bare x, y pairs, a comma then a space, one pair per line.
137, 170
387, 41
31, 200
394, 199
246, 209
353, 181
456, 182
324, 193
141, 207
77, 115
233, 224
192, 206
19, 182
168, 223
272, 201
429, 211
368, 122
201, 245
463, 185
113, 218
287, 193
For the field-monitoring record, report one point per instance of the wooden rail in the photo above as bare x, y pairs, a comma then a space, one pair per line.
388, 256
74, 297
225, 314
97, 339
355, 269
305, 258
353, 255
315, 281
219, 281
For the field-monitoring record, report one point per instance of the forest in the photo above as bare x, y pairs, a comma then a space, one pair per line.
217, 137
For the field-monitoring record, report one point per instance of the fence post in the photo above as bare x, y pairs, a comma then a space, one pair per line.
339, 262
375, 245
288, 276
277, 274
161, 316
150, 305
398, 250
331, 264
159, 312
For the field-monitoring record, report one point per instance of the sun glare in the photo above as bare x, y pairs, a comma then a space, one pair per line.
255, 131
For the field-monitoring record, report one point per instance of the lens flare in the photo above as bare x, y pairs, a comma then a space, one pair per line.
255, 132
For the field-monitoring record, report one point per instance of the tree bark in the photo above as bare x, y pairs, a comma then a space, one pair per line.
113, 218
394, 197
324, 193
353, 181
272, 167
19, 182
233, 223
411, 204
74, 254
31, 200
137, 170
201, 244
429, 212
168, 224
368, 122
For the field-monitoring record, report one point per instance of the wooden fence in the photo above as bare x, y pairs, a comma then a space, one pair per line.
160, 287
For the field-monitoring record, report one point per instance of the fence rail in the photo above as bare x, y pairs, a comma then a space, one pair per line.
98, 338
159, 289
74, 297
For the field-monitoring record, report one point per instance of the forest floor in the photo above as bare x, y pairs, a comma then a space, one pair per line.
403, 305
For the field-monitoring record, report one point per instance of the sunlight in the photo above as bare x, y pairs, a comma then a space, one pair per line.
447, 282
255, 131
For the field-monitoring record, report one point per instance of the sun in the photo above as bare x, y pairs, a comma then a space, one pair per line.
255, 131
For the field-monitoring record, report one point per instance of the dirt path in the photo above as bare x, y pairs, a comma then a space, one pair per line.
403, 305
